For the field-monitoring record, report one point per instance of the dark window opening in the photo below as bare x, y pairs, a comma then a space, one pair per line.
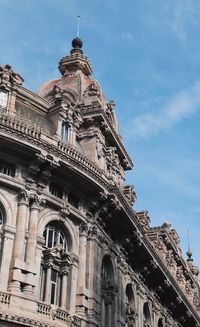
55, 190
73, 200
7, 169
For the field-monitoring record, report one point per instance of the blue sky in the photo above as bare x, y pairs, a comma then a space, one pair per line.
146, 55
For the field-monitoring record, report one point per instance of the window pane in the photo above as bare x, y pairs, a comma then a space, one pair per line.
53, 293
1, 218
64, 132
53, 275
50, 238
3, 100
54, 236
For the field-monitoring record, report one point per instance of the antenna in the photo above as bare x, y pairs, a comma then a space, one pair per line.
78, 26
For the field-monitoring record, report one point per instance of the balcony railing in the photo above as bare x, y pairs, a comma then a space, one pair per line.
57, 313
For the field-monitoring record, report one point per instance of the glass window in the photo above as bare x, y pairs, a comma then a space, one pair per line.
54, 236
1, 218
65, 132
53, 286
3, 100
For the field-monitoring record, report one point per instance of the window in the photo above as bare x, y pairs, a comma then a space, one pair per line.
53, 286
73, 200
146, 315
3, 100
55, 190
108, 291
1, 218
7, 169
129, 307
55, 265
54, 236
160, 323
65, 132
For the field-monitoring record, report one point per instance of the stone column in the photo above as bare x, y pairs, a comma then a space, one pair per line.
32, 233
63, 298
48, 284
82, 258
140, 299
73, 283
19, 243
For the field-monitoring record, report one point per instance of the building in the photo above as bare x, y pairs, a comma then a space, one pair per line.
73, 250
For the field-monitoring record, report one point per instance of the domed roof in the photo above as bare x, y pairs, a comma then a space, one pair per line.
76, 81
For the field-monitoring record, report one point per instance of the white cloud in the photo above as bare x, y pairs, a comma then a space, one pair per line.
185, 14
127, 36
181, 106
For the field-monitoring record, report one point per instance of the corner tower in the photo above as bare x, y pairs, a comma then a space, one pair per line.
83, 117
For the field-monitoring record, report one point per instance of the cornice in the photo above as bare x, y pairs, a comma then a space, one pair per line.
100, 114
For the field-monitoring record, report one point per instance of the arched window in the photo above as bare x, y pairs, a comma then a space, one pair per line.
108, 291
160, 323
54, 236
129, 307
146, 315
55, 265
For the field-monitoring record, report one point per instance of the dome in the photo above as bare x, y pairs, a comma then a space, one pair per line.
76, 82
79, 87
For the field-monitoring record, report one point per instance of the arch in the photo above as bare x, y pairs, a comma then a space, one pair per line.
71, 96
107, 270
160, 322
7, 210
130, 314
107, 254
146, 315
130, 299
56, 260
108, 292
47, 216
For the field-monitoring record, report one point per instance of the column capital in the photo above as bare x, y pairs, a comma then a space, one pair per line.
36, 201
84, 229
23, 197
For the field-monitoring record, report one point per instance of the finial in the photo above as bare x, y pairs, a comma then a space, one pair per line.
189, 252
77, 43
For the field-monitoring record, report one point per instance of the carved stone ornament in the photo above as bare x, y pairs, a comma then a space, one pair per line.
130, 193
144, 219
130, 316
108, 291
8, 77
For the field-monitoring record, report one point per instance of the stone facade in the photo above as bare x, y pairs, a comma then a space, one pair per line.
73, 252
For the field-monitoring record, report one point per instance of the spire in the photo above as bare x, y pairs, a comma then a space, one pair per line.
76, 60
189, 252
77, 43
